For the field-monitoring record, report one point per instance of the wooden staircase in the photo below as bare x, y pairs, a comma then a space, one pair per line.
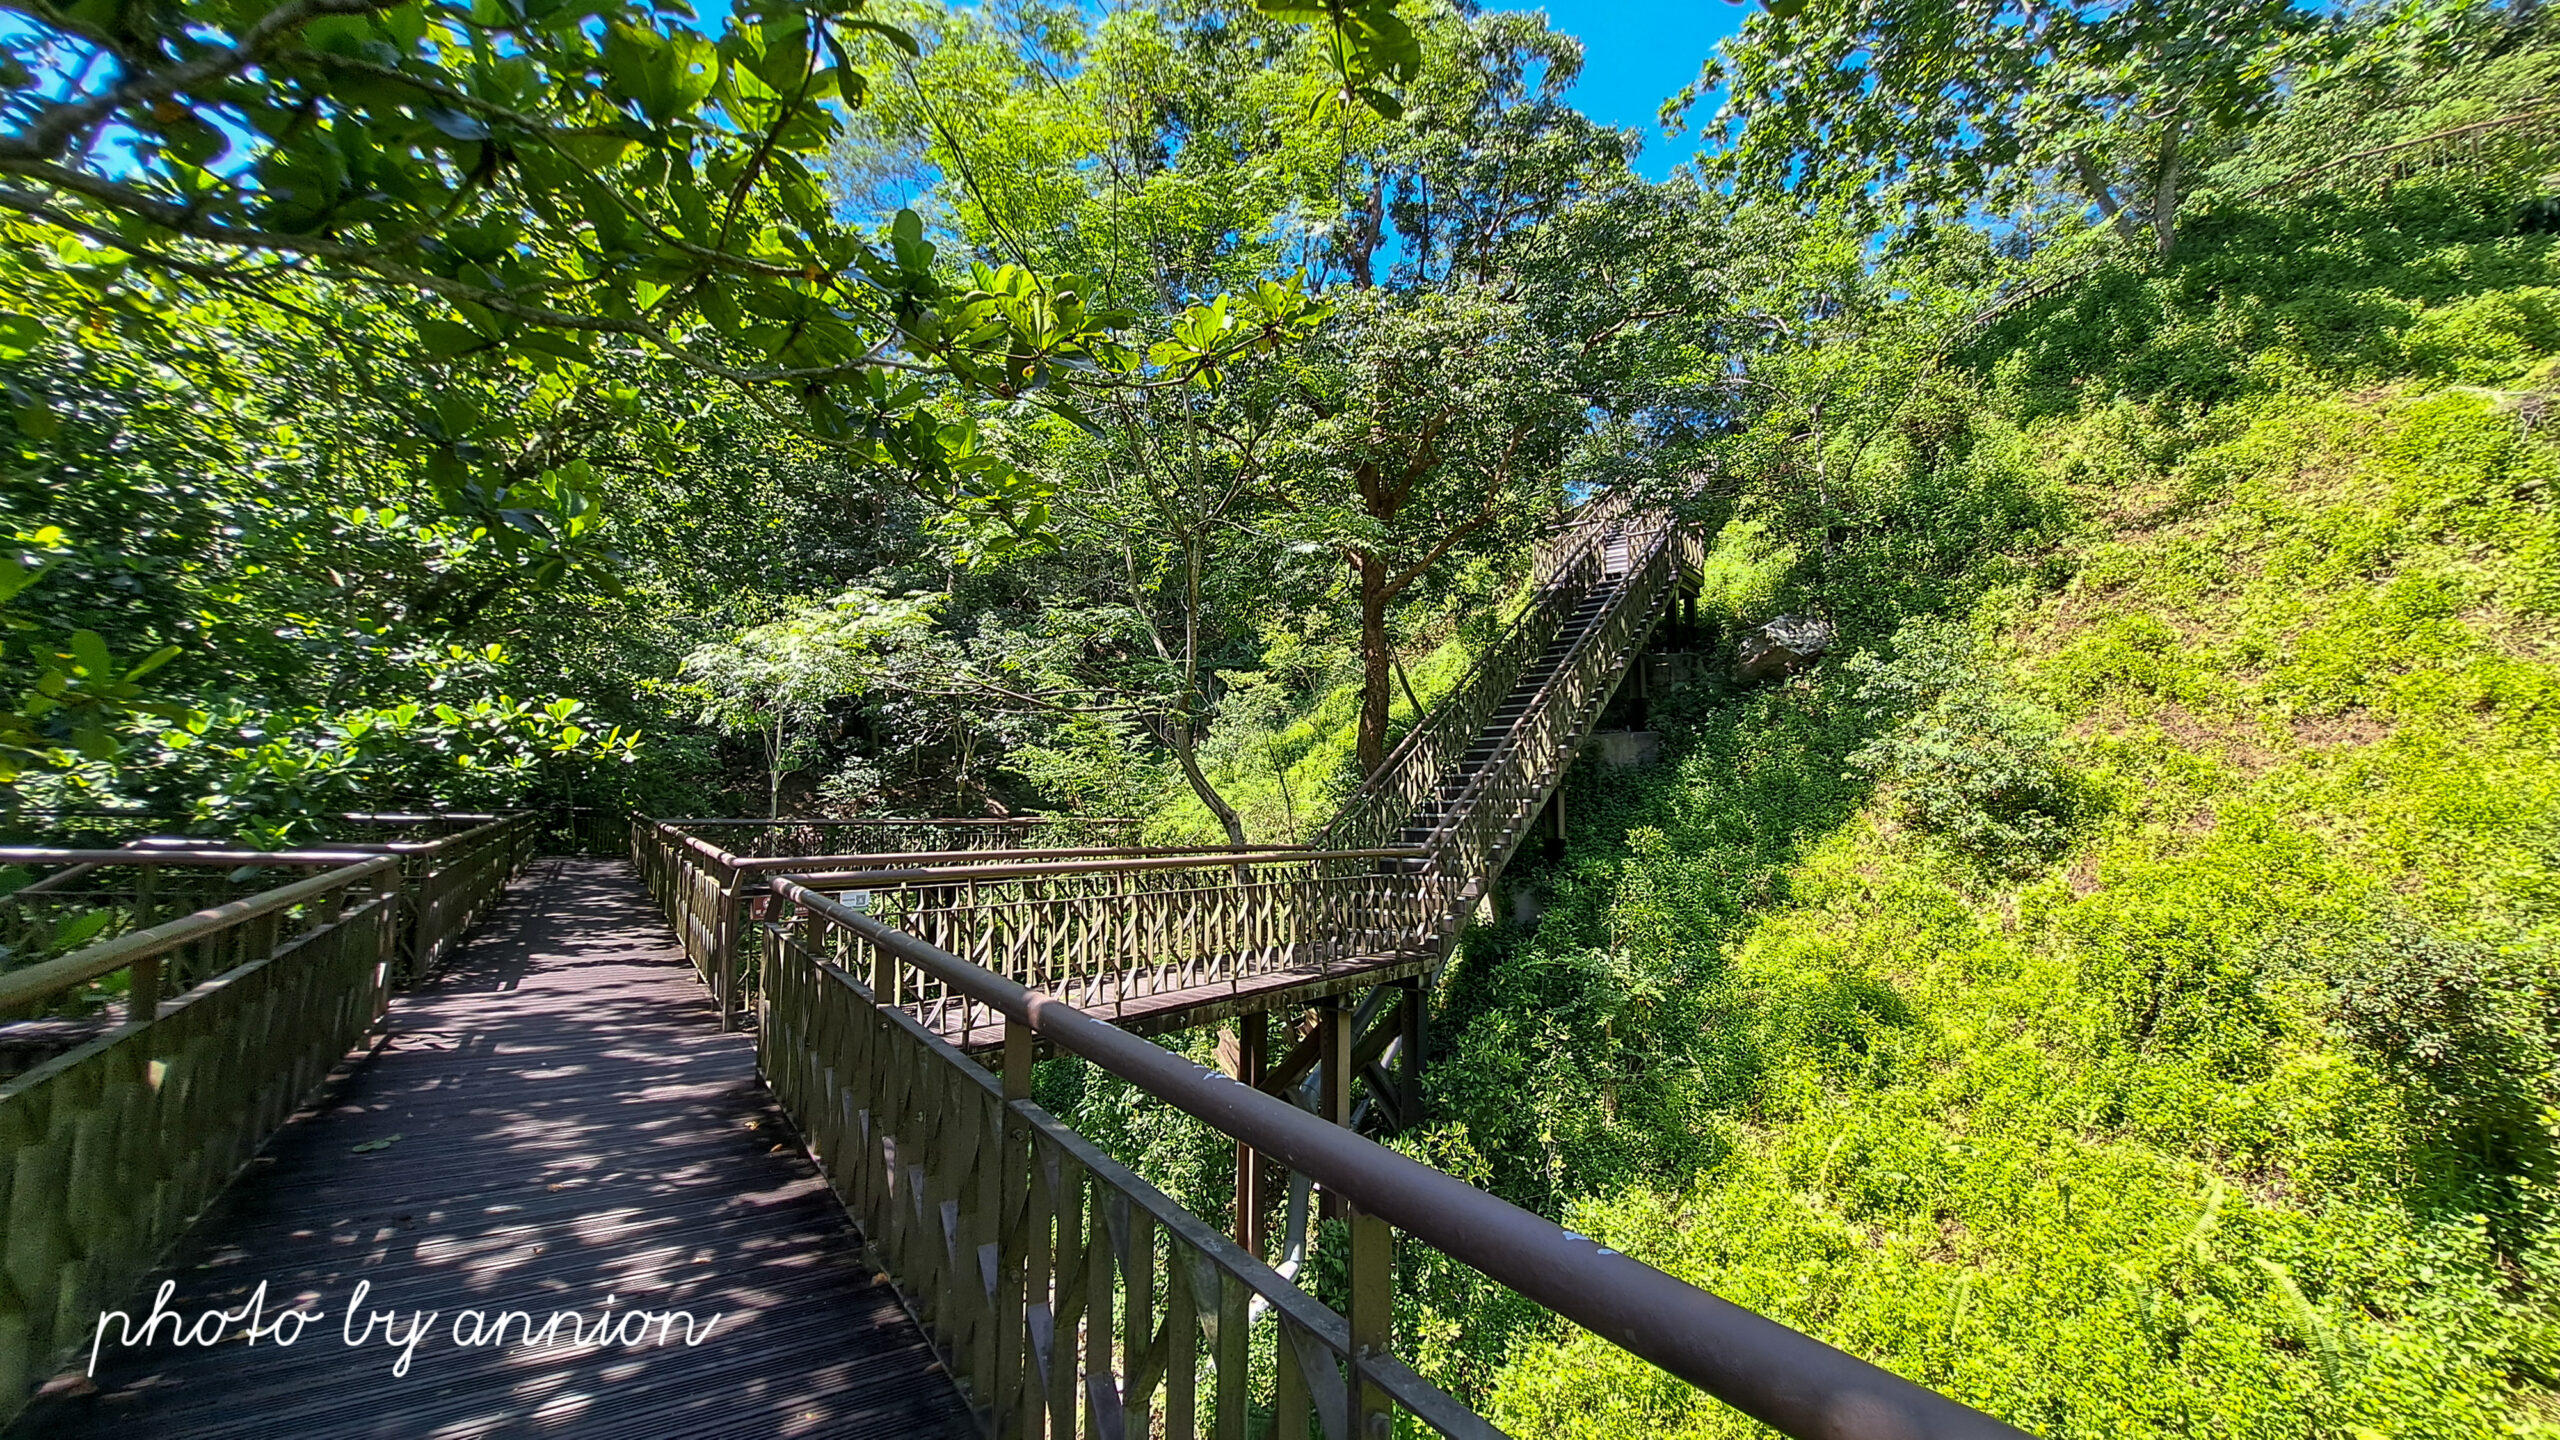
1447, 799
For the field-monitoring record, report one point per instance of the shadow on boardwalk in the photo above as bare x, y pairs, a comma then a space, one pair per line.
571, 1131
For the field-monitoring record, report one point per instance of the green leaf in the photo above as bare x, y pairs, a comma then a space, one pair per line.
1387, 106
885, 31
444, 338
19, 334
80, 929
547, 342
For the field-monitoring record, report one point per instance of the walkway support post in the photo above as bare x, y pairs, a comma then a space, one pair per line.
1372, 1317
1250, 1058
1410, 1043
1336, 1039
1014, 1227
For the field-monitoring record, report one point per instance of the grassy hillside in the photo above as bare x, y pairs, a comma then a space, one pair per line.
2120, 987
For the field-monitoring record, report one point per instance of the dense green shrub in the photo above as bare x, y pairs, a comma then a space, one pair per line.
1969, 760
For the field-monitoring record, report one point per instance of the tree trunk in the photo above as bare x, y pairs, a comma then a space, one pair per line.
1180, 731
1368, 231
773, 774
1374, 657
2096, 187
1179, 735
1406, 682
2164, 198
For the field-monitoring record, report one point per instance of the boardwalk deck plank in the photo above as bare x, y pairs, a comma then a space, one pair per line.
571, 1128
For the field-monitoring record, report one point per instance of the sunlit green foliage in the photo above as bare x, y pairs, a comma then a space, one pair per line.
2234, 1112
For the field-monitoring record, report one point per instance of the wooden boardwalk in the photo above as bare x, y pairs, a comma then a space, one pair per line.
571, 1131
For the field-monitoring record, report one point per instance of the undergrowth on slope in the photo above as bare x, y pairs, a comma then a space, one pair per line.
2124, 999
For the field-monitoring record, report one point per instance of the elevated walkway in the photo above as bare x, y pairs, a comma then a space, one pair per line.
553, 1124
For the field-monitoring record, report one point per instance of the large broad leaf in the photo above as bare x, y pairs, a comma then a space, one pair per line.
445, 338
665, 73
19, 334
90, 650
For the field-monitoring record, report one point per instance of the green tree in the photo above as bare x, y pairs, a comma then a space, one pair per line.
546, 180
1438, 421
776, 680
1922, 109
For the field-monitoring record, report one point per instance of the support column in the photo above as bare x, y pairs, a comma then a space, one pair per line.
1410, 1046
1016, 1396
1247, 1050
1372, 1319
1336, 1037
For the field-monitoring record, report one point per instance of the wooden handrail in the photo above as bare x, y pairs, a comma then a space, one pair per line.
48, 978
137, 855
998, 870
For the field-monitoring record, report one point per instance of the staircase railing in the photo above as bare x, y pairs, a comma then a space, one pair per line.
1564, 571
1490, 815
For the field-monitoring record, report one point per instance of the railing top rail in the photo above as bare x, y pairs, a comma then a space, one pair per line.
185, 849
911, 859
1000, 820
997, 870
459, 838
41, 981
476, 823
1790, 1381
179, 855
709, 850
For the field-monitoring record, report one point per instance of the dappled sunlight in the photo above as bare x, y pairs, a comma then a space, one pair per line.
572, 1134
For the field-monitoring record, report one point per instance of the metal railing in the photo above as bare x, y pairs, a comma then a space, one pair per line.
1485, 818
109, 1149
448, 883
453, 867
712, 897
1070, 1297
1149, 939
1566, 570
897, 835
67, 900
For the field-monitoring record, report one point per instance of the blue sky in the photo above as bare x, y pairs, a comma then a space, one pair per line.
1635, 54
